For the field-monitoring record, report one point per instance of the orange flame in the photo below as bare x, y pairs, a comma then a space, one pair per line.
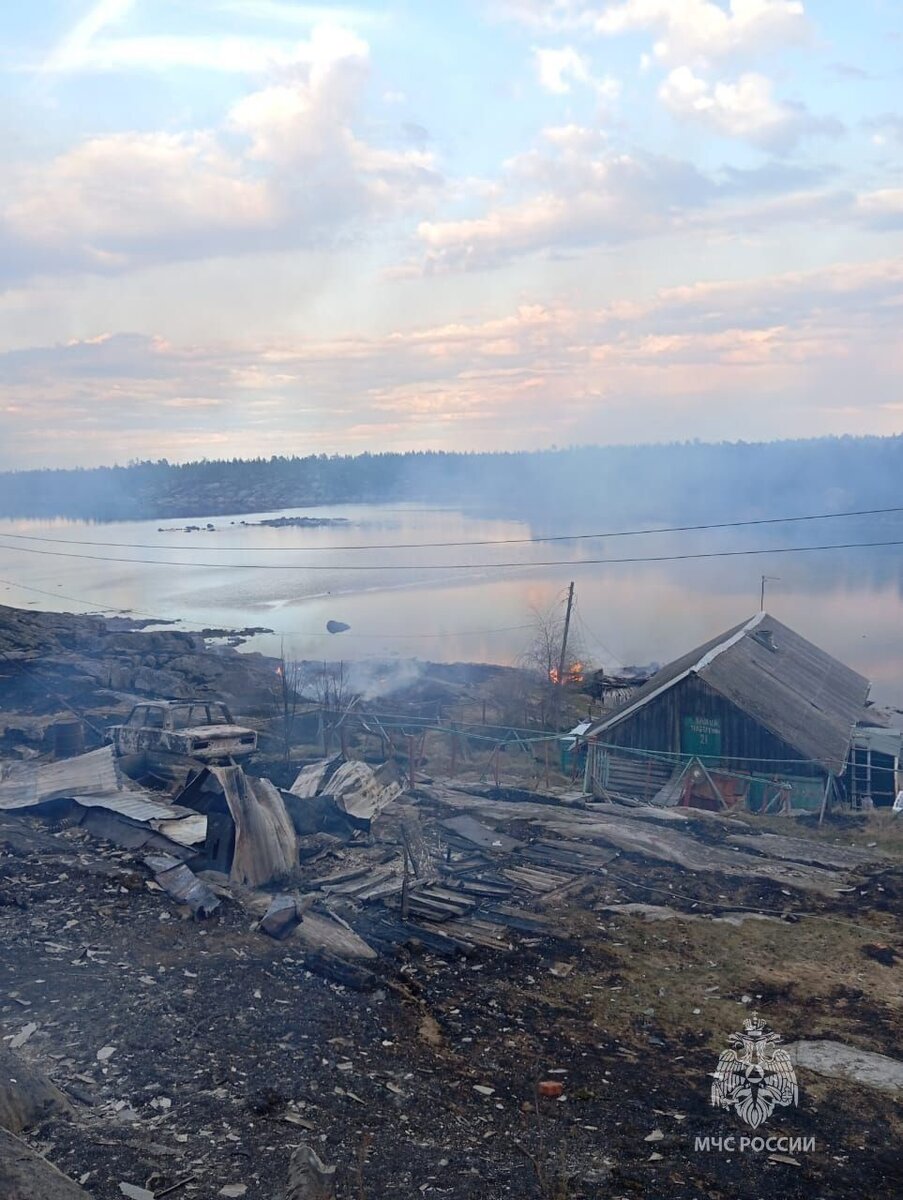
573, 674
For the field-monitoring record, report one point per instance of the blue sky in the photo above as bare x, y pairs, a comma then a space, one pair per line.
254, 226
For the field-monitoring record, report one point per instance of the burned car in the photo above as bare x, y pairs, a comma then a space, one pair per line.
197, 729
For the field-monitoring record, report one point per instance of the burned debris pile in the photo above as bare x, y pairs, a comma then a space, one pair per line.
366, 975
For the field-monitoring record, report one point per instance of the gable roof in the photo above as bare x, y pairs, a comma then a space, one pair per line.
778, 678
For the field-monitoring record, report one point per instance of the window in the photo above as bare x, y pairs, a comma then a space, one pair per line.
154, 718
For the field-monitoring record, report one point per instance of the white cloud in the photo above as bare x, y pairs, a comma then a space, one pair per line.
779, 349
239, 55
744, 108
559, 69
885, 127
574, 190
881, 209
697, 31
554, 15
279, 13
571, 192
287, 169
702, 31
242, 54
77, 42
300, 118
122, 193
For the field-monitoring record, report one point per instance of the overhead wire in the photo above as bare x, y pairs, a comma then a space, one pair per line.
477, 566
588, 632
308, 633
100, 608
511, 541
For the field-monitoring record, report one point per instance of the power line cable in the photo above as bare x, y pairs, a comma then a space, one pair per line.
100, 608
558, 537
587, 631
308, 633
571, 564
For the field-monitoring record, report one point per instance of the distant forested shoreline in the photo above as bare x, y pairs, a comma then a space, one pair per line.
595, 484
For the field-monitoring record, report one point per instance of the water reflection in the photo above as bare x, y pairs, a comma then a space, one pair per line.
848, 601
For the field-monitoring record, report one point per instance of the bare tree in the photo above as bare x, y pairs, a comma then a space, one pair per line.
288, 676
335, 696
542, 656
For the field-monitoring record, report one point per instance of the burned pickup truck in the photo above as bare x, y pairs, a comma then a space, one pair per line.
195, 729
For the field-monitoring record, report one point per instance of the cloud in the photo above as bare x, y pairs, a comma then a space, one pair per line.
884, 128
849, 71
701, 31
83, 49
237, 55
568, 192
686, 31
73, 47
745, 108
556, 15
574, 190
121, 198
881, 209
300, 14
286, 168
773, 353
773, 176
559, 69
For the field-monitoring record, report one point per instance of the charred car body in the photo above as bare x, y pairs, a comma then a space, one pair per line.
195, 729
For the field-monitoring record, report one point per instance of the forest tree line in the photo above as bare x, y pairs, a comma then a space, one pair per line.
674, 482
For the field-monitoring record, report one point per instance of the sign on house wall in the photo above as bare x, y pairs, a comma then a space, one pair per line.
702, 736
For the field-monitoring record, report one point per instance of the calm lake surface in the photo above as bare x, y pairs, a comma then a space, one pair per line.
293, 580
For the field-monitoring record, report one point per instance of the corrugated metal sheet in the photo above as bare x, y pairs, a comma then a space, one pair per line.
137, 806
362, 792
95, 781
311, 779
265, 843
357, 789
94, 774
776, 677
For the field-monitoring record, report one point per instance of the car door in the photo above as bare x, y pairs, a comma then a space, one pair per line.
151, 734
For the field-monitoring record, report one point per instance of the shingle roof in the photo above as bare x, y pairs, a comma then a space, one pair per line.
799, 692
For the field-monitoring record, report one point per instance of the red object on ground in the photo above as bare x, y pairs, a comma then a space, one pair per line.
551, 1088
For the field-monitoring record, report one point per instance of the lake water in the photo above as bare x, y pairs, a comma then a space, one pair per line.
293, 580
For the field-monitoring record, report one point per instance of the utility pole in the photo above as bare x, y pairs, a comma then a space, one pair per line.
769, 579
564, 648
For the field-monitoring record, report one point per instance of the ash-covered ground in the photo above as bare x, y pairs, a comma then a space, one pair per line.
198, 1054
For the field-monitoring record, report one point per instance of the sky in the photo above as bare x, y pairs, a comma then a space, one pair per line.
255, 227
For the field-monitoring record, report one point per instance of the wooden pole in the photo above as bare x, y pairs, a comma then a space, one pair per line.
713, 785
564, 636
824, 799
562, 659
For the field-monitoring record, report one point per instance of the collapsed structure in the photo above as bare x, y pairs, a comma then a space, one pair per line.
757, 716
